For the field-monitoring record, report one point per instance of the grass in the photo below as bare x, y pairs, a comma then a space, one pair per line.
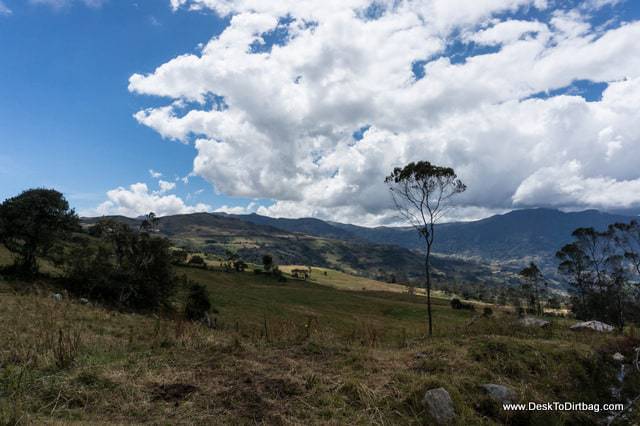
286, 353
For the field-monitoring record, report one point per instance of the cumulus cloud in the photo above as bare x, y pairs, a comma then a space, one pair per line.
137, 200
166, 186
285, 128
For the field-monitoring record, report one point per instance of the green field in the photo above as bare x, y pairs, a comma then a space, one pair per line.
286, 353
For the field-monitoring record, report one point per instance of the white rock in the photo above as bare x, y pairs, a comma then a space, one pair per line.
618, 357
57, 297
439, 405
593, 325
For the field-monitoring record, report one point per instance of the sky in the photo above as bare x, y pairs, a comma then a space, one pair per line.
298, 108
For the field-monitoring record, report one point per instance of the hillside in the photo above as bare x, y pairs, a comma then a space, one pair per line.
216, 234
514, 235
287, 353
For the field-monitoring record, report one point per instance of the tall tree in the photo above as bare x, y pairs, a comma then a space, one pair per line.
421, 192
32, 222
534, 284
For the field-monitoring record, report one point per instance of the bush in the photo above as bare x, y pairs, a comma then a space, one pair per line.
276, 272
487, 311
267, 262
125, 268
197, 304
179, 257
197, 261
457, 304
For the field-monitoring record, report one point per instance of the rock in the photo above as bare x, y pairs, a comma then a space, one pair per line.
534, 322
593, 325
57, 297
618, 357
500, 393
439, 405
84, 301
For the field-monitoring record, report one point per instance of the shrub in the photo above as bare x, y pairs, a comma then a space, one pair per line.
278, 274
487, 311
197, 261
457, 304
267, 262
127, 269
198, 303
179, 257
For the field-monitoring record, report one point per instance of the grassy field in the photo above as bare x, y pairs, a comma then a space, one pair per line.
286, 353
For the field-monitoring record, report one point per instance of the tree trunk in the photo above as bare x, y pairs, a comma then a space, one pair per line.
427, 270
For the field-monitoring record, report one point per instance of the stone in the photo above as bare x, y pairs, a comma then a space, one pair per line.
592, 325
500, 393
84, 301
439, 405
618, 357
534, 322
57, 297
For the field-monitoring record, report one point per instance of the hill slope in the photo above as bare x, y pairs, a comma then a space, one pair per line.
216, 234
288, 353
514, 235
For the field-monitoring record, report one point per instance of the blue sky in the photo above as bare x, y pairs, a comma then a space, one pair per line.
316, 106
66, 111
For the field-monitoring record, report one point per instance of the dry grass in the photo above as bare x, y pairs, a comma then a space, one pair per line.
286, 354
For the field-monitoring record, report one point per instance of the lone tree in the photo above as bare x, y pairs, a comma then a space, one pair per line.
534, 284
31, 223
267, 262
421, 192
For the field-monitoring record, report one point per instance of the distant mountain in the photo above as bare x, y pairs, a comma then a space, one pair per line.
514, 235
303, 242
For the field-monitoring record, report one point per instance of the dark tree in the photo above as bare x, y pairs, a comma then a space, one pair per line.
198, 304
267, 262
149, 223
534, 284
421, 193
32, 222
124, 268
179, 257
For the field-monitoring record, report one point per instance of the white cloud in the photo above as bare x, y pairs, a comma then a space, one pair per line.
249, 208
507, 31
154, 174
4, 9
137, 200
166, 186
286, 130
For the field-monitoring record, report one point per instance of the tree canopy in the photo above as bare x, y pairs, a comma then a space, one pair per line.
32, 222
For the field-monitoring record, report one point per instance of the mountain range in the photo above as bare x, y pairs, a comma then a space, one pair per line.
487, 250
518, 234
